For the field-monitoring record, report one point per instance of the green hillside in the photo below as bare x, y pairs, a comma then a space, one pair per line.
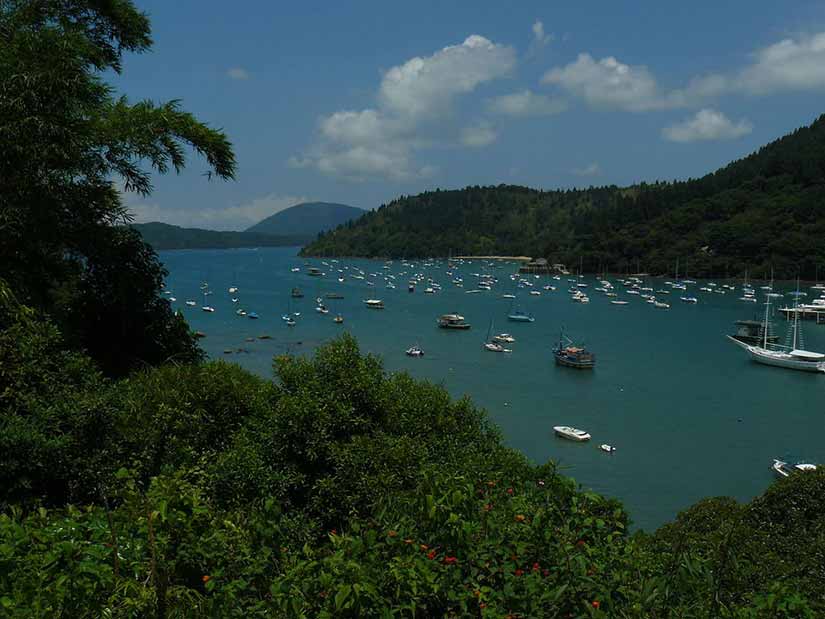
307, 219
763, 211
165, 236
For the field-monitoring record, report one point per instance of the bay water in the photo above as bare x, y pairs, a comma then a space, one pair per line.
689, 414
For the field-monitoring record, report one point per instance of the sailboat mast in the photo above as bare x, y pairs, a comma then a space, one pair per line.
765, 327
795, 315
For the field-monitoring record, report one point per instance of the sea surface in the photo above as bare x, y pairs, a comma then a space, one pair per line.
690, 416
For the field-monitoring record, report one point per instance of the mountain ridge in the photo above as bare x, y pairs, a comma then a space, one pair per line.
760, 212
306, 218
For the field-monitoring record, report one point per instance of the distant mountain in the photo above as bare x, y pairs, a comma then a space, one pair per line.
307, 219
165, 236
763, 212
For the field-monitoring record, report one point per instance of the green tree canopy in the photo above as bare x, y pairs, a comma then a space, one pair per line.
66, 143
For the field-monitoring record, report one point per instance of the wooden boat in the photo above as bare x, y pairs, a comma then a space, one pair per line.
569, 355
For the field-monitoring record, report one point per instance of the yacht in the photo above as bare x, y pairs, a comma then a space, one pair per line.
452, 321
792, 358
572, 434
374, 303
783, 469
520, 316
504, 338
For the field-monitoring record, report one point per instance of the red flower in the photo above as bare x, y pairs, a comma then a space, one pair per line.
206, 579
596, 603
482, 605
545, 572
580, 543
488, 507
519, 572
333, 532
535, 567
450, 560
509, 491
431, 554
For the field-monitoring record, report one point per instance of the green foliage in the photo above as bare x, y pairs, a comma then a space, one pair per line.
341, 491
760, 212
67, 140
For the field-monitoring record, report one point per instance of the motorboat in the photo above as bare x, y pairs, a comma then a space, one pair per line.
452, 321
374, 303
620, 302
607, 448
572, 434
338, 320
504, 338
688, 299
191, 303
414, 351
660, 305
252, 316
783, 469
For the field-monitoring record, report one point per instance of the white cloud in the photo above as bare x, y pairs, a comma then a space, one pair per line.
706, 125
540, 39
787, 66
424, 86
526, 103
594, 169
413, 100
608, 83
479, 135
238, 217
238, 73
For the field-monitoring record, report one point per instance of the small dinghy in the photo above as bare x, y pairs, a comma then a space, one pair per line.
414, 351
607, 448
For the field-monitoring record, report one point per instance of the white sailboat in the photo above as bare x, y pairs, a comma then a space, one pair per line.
789, 357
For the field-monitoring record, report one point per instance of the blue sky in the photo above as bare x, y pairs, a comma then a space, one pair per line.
360, 102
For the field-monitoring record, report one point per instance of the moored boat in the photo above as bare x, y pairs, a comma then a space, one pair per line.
452, 321
569, 355
374, 303
572, 434
783, 469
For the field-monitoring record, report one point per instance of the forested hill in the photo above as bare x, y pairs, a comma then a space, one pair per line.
766, 210
163, 236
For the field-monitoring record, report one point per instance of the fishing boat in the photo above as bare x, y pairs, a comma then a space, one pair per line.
414, 351
374, 303
452, 321
789, 357
783, 469
572, 356
571, 434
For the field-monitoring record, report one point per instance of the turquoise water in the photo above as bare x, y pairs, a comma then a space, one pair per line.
689, 415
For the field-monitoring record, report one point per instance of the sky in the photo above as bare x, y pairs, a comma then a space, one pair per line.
362, 102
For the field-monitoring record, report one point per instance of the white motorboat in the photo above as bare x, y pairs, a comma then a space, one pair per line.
374, 303
191, 303
414, 351
573, 434
660, 305
505, 338
607, 448
619, 302
783, 469
495, 347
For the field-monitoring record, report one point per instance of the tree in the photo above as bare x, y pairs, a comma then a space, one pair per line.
67, 141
